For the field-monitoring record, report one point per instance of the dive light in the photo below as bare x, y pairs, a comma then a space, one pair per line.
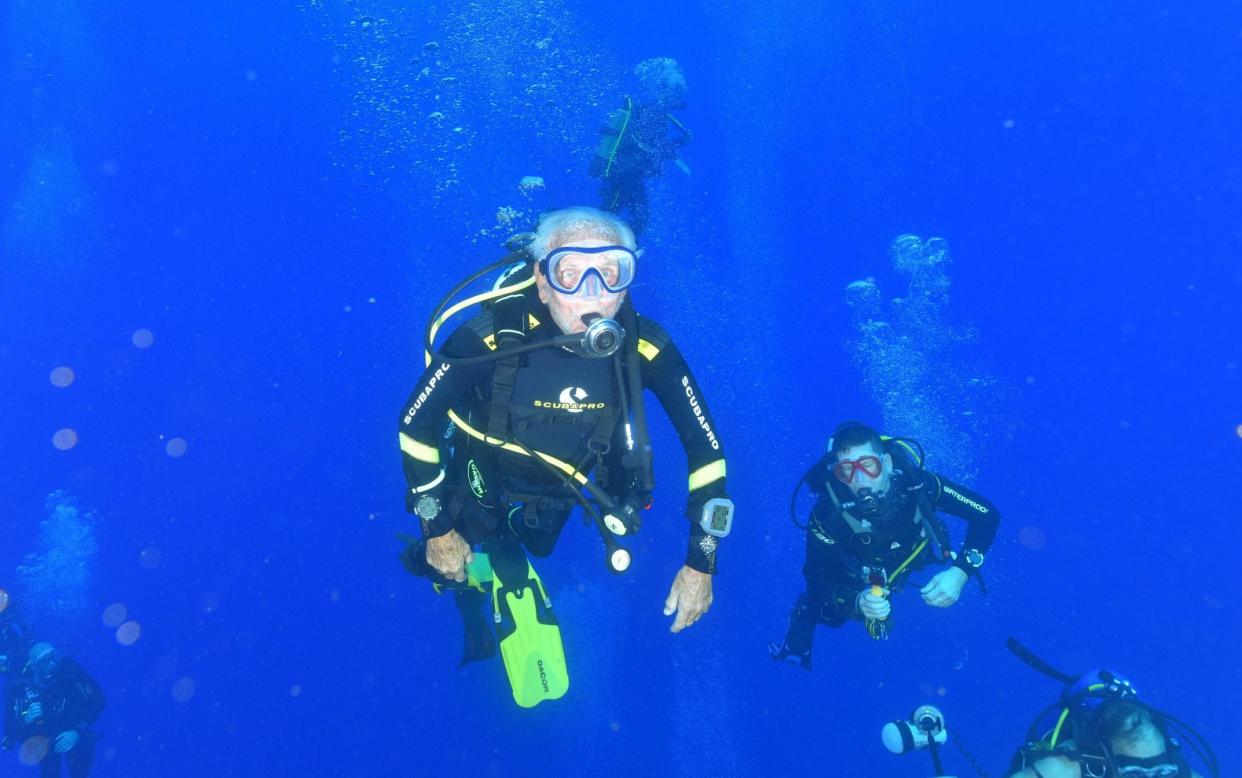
925, 729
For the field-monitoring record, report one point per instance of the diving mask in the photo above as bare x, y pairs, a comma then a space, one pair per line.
1162, 766
590, 272
848, 469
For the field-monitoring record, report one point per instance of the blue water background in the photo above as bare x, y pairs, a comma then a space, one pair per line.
262, 187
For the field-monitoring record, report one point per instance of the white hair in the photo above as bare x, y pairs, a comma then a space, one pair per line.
563, 227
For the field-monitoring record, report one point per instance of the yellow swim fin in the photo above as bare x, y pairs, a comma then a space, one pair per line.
530, 639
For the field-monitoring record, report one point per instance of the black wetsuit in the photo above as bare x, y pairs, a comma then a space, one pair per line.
15, 639
560, 403
637, 143
844, 543
71, 701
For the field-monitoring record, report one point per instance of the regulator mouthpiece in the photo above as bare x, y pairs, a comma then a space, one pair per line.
868, 501
602, 337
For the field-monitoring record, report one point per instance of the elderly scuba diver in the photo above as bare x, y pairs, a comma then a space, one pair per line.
874, 521
533, 408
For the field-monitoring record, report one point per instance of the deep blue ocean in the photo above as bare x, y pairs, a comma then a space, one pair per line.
223, 227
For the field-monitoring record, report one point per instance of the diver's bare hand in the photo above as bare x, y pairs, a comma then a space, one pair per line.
945, 587
449, 554
690, 596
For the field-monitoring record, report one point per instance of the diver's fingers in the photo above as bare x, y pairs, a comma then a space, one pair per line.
670, 604
448, 569
442, 567
930, 585
682, 621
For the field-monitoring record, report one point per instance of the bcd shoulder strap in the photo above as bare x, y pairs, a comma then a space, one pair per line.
510, 323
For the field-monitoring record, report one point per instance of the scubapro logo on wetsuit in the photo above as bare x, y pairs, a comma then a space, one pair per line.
571, 400
426, 392
964, 499
698, 413
476, 479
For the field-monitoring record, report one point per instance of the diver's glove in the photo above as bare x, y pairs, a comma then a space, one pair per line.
873, 606
782, 653
66, 740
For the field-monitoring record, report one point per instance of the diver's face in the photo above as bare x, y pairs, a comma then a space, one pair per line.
860, 478
1150, 743
568, 309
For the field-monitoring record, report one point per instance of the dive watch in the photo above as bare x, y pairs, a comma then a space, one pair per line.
717, 517
427, 507
973, 557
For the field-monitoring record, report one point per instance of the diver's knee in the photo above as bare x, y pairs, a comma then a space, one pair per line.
540, 545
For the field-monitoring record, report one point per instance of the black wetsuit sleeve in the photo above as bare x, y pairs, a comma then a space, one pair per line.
424, 418
829, 585
84, 699
666, 374
982, 517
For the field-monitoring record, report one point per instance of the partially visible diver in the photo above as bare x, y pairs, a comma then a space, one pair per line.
53, 702
639, 138
15, 636
1099, 728
874, 521
512, 417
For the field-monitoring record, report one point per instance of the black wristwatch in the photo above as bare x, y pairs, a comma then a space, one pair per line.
427, 507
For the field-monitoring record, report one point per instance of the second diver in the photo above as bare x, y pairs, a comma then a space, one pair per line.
874, 521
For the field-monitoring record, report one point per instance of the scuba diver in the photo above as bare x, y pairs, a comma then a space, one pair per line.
874, 521
522, 404
15, 636
639, 138
1099, 728
53, 698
